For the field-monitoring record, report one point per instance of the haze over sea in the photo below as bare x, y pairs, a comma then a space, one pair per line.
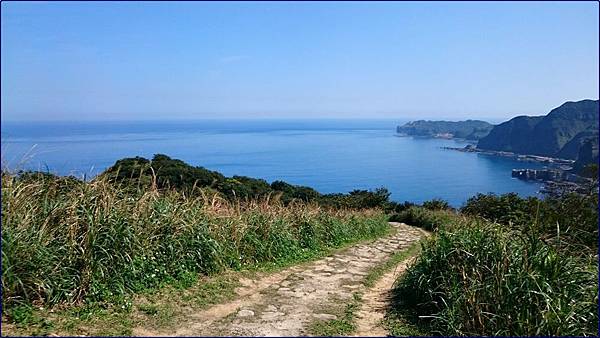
328, 155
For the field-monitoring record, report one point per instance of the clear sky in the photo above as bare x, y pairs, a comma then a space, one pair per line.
125, 60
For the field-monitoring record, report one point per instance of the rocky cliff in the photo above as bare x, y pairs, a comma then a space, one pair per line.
561, 133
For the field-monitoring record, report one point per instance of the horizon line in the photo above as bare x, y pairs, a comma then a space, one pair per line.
356, 118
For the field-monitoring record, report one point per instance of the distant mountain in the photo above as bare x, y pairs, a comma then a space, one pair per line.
470, 129
561, 133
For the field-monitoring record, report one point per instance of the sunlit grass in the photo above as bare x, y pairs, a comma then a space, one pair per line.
70, 242
474, 277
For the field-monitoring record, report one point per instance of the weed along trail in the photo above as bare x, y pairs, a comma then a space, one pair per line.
316, 298
375, 302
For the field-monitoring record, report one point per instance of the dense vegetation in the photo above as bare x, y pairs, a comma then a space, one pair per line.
588, 154
162, 172
500, 265
469, 129
504, 265
562, 133
68, 241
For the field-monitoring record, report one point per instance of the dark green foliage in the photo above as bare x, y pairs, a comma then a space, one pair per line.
167, 173
178, 174
130, 170
590, 171
572, 216
505, 209
395, 207
163, 171
470, 129
368, 199
357, 199
436, 204
583, 147
290, 192
588, 155
244, 187
422, 218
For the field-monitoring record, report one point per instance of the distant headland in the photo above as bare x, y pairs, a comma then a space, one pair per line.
567, 136
469, 129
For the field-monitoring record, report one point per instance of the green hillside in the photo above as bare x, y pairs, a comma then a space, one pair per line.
561, 133
469, 129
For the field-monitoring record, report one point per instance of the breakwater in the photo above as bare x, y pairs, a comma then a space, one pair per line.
527, 158
556, 175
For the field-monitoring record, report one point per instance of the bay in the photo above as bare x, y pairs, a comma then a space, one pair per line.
328, 155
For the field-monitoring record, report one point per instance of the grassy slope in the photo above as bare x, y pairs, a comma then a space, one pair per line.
88, 248
475, 277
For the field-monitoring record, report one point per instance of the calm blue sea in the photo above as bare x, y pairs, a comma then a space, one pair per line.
329, 155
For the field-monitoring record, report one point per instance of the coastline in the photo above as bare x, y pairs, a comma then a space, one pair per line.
519, 157
439, 136
555, 175
555, 178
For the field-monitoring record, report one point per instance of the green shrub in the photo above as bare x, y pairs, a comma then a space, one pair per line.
291, 192
357, 199
571, 217
395, 207
436, 204
504, 209
423, 218
165, 173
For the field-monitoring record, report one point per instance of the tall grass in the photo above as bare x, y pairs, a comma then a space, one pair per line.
64, 240
424, 218
475, 277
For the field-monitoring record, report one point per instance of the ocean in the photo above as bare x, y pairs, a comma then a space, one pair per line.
328, 155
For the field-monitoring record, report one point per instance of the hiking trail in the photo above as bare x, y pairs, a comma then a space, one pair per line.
285, 303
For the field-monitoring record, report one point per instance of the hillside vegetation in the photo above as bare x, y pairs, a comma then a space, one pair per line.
469, 129
65, 241
163, 172
561, 133
503, 265
500, 265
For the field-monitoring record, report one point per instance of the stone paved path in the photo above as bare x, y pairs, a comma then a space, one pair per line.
285, 303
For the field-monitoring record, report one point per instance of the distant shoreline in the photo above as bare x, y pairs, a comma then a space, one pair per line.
556, 177
439, 137
518, 157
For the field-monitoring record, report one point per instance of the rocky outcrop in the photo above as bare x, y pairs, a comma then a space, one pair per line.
588, 153
560, 134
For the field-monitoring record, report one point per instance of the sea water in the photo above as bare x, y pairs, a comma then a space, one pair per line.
329, 155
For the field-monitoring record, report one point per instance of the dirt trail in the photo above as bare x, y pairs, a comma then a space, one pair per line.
375, 302
285, 303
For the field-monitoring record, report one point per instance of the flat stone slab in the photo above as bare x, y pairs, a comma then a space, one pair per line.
245, 313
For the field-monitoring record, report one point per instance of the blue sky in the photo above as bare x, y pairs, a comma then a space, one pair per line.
128, 61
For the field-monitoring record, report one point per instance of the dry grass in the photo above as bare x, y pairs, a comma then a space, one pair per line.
70, 242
